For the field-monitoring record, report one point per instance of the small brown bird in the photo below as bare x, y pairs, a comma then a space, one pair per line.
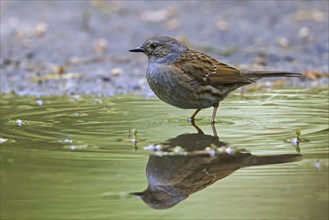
189, 79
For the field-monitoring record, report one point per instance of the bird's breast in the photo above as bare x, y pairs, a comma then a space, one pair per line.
176, 88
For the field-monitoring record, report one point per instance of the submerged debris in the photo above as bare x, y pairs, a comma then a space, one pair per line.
230, 150
39, 102
317, 165
3, 140
153, 147
161, 153
133, 137
162, 150
295, 141
77, 147
68, 141
19, 122
178, 150
212, 150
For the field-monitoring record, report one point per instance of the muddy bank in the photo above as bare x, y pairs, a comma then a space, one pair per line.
81, 47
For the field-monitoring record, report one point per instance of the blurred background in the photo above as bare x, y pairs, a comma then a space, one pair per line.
81, 47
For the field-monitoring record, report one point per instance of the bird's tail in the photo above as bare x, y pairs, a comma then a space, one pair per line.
261, 74
274, 159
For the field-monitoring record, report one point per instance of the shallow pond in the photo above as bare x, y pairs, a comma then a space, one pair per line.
82, 157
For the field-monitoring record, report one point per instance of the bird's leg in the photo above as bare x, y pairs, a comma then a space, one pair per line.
214, 131
197, 128
194, 114
214, 114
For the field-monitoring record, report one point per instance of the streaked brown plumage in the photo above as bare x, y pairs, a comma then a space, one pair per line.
189, 79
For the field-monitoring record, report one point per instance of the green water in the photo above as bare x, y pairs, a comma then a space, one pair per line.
73, 158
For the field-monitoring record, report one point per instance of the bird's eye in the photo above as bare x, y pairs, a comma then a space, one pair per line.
153, 46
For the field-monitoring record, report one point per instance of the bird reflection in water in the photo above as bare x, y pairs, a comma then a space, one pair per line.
174, 175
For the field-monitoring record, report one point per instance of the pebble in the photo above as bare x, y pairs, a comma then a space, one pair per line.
101, 45
40, 29
116, 72
222, 25
282, 42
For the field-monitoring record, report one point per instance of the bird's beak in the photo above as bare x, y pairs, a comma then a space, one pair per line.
137, 194
138, 49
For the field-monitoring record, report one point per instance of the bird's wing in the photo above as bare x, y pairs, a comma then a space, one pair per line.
208, 70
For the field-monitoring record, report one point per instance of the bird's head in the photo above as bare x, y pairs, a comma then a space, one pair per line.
161, 49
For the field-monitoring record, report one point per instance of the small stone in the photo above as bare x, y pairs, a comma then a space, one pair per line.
58, 70
304, 32
159, 15
106, 79
282, 42
116, 72
101, 45
75, 60
222, 25
40, 29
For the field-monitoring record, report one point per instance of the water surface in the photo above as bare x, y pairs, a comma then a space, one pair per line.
73, 157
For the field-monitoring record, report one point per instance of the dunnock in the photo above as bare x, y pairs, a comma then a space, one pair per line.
189, 79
